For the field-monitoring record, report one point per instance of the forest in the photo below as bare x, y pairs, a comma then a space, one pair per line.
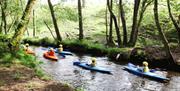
121, 31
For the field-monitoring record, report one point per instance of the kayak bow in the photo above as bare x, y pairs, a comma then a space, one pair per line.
138, 71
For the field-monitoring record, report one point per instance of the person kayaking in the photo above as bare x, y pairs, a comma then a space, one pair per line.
93, 62
26, 48
60, 49
51, 52
145, 67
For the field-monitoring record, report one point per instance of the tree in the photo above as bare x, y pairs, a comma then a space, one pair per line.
116, 25
106, 20
123, 23
21, 27
134, 35
173, 20
161, 34
54, 21
3, 15
110, 39
34, 25
81, 35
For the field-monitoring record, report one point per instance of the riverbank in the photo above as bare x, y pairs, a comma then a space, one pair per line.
21, 72
20, 78
155, 55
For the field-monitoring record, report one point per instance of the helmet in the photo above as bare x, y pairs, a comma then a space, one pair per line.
60, 45
51, 49
93, 59
145, 63
27, 44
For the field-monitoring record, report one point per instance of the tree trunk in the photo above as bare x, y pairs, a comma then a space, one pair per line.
173, 20
54, 21
34, 25
134, 31
1, 28
3, 11
144, 5
143, 9
161, 34
116, 26
81, 35
118, 15
123, 23
50, 30
111, 43
106, 18
15, 42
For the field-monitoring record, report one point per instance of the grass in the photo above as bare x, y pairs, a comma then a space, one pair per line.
79, 89
20, 58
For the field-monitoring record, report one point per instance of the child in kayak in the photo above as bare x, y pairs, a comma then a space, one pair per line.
93, 62
26, 48
51, 52
60, 49
145, 67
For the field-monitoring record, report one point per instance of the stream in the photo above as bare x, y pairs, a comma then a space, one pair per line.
64, 71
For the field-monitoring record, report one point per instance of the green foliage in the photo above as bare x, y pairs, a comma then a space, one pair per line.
79, 89
47, 42
7, 59
67, 13
39, 72
26, 59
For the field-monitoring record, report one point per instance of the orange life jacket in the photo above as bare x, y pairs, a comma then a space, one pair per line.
51, 53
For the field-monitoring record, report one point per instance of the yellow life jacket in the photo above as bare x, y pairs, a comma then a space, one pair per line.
146, 69
60, 49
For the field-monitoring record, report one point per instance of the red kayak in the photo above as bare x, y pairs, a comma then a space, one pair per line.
46, 55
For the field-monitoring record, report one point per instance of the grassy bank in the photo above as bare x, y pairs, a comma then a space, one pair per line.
21, 72
83, 46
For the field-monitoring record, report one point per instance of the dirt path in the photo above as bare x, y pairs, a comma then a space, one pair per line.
20, 78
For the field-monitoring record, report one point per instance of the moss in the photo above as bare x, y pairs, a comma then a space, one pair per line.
79, 89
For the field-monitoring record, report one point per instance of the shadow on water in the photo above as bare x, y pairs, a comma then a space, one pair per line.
64, 71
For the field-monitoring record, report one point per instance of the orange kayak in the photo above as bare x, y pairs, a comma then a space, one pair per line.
30, 52
46, 55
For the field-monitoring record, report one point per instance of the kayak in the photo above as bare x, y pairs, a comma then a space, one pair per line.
46, 55
63, 52
138, 71
89, 67
29, 52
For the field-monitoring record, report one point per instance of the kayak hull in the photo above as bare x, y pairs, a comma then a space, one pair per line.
88, 67
46, 55
138, 71
30, 52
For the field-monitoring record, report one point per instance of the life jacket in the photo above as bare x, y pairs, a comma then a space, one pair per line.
60, 49
93, 64
51, 53
146, 69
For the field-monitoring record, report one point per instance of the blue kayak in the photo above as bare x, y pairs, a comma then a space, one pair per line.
138, 71
63, 52
89, 67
